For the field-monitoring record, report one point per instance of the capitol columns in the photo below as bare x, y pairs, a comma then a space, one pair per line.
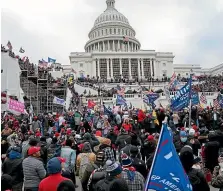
94, 68
111, 61
130, 69
113, 45
142, 64
120, 63
108, 76
139, 75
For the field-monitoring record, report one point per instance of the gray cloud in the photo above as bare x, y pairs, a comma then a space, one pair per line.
193, 30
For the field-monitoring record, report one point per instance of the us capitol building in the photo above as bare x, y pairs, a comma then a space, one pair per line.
113, 52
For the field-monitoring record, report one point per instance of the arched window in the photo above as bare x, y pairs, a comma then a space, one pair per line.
106, 17
106, 31
114, 31
118, 31
110, 31
102, 33
123, 32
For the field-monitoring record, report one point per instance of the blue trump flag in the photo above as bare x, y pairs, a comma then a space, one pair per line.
107, 111
220, 99
152, 97
167, 172
182, 97
194, 98
51, 60
120, 100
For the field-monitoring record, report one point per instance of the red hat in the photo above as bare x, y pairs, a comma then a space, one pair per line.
150, 138
33, 150
98, 133
62, 160
195, 128
57, 134
68, 131
38, 134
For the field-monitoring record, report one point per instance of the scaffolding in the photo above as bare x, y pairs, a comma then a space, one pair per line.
39, 89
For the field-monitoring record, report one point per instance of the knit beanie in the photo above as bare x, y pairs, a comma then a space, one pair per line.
54, 165
183, 134
113, 168
126, 161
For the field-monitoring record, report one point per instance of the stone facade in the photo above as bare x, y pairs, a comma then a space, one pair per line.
113, 52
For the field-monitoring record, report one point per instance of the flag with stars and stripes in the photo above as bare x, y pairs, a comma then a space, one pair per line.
216, 104
203, 98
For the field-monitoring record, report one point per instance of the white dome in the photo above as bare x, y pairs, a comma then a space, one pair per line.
109, 30
111, 15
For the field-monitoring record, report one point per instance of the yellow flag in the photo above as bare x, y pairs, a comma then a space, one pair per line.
155, 116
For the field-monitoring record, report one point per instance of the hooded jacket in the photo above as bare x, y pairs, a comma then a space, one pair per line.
13, 167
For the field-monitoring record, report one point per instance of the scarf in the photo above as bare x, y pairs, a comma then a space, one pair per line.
130, 172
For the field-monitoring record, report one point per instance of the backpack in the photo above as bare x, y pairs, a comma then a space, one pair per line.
98, 174
84, 162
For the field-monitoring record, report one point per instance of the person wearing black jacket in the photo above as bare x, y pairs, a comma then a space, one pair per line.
43, 151
196, 176
13, 167
139, 164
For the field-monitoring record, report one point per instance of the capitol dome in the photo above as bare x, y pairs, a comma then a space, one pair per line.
112, 32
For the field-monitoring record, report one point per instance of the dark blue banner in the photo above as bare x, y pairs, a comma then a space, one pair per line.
120, 100
195, 98
173, 176
182, 97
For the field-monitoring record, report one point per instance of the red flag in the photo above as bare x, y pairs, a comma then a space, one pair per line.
91, 104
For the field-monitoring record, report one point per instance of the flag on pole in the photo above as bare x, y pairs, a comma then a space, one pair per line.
91, 104
42, 64
182, 97
59, 101
203, 98
120, 100
173, 81
216, 104
173, 176
9, 45
125, 39
21, 50
120, 90
51, 60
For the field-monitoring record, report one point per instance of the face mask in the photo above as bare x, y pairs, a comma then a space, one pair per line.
183, 139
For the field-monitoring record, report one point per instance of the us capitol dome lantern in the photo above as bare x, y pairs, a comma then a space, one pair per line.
113, 52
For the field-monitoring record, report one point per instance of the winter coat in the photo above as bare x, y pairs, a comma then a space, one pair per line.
198, 180
13, 167
211, 152
217, 181
120, 142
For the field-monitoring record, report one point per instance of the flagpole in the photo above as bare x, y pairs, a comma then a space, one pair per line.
156, 152
190, 101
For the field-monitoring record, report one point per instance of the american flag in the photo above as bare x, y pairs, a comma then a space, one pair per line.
120, 90
203, 98
9, 45
42, 64
125, 39
173, 81
216, 104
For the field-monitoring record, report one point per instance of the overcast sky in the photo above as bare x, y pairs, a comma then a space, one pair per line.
191, 29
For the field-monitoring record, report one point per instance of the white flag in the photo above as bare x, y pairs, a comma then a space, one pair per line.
59, 101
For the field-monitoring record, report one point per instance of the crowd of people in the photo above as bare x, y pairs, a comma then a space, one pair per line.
107, 150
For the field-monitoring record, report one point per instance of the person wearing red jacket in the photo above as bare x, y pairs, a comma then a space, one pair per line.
141, 116
54, 169
127, 126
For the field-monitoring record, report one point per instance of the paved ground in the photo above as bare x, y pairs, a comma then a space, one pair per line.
80, 187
